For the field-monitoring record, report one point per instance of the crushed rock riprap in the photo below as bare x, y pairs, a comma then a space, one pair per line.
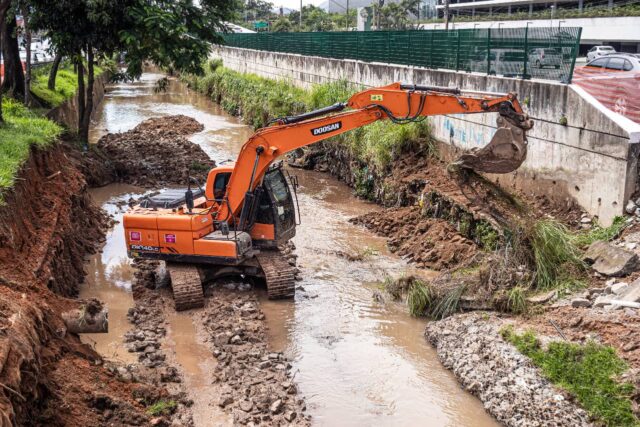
157, 152
428, 242
511, 388
257, 384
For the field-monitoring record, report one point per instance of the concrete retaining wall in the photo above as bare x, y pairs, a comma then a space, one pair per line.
67, 113
591, 159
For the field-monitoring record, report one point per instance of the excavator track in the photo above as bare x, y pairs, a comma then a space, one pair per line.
187, 287
279, 274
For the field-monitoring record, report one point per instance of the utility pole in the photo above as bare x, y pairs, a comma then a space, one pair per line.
446, 15
300, 15
348, 15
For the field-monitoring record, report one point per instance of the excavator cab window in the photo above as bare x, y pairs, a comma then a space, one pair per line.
276, 205
220, 186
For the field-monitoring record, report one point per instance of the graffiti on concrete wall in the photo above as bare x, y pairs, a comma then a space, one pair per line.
466, 134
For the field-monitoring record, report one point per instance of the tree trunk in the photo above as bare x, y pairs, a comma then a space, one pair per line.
85, 119
13, 75
27, 41
54, 71
4, 5
80, 71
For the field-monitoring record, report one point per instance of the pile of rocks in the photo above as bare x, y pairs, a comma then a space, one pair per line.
511, 388
257, 384
615, 294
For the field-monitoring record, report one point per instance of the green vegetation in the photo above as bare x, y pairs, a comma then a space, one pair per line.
586, 238
587, 371
554, 249
22, 130
517, 300
419, 298
258, 101
449, 304
162, 407
66, 87
486, 236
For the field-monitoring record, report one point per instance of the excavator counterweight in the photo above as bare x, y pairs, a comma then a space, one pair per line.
246, 210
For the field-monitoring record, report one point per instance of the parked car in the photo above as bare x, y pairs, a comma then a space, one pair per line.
598, 51
505, 62
615, 62
545, 57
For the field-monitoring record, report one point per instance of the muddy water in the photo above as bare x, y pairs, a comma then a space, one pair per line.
357, 362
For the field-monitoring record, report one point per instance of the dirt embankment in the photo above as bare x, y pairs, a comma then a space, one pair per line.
154, 153
47, 226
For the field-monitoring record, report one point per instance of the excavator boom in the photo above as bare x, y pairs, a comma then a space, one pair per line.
396, 102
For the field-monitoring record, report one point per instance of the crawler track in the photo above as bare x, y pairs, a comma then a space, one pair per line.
187, 287
279, 274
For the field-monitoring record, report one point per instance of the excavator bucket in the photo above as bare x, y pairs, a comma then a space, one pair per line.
505, 153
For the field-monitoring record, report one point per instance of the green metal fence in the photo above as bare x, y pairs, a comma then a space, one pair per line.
544, 53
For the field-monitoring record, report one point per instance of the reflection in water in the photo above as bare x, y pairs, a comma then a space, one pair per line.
109, 275
357, 362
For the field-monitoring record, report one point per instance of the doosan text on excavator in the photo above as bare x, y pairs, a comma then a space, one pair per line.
247, 209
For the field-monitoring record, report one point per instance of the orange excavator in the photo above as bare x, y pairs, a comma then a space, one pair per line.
246, 211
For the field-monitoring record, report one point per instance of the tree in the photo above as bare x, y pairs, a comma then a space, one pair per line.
171, 33
396, 16
282, 25
4, 6
51, 84
257, 10
13, 82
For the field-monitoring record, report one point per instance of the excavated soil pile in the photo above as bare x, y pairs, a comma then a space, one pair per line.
157, 152
48, 376
511, 388
257, 385
428, 242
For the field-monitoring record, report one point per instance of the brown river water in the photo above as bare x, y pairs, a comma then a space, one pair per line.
357, 362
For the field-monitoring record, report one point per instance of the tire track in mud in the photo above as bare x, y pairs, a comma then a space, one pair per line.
217, 358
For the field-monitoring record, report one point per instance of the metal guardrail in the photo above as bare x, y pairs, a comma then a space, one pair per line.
543, 53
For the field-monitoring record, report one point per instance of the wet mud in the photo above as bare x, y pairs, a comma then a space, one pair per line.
156, 152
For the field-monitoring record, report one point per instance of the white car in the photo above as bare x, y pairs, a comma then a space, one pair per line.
617, 62
598, 51
545, 57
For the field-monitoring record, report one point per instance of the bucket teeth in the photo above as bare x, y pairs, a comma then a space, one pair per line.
187, 287
279, 274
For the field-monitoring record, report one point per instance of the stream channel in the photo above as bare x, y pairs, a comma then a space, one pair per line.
356, 362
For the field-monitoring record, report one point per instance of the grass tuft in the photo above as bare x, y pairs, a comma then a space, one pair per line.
586, 238
22, 130
449, 303
419, 298
162, 407
588, 371
553, 247
517, 300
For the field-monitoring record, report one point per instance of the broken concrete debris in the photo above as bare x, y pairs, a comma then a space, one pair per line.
611, 260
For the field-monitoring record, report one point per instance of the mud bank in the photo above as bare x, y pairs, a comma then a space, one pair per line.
47, 226
511, 388
154, 153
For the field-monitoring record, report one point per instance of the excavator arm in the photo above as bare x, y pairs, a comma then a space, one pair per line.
396, 102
